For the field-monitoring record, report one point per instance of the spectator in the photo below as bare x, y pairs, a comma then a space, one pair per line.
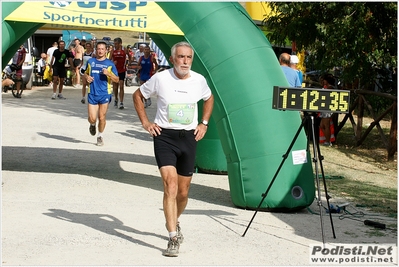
60, 57
17, 61
139, 53
129, 55
118, 56
77, 61
294, 65
41, 66
86, 56
83, 43
147, 66
327, 136
290, 74
110, 49
50, 52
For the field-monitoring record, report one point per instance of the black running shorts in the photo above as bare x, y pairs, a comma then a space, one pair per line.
176, 148
59, 71
122, 75
77, 62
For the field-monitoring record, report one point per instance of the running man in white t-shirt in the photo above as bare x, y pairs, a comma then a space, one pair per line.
176, 131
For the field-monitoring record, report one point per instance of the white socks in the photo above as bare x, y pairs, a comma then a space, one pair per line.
172, 234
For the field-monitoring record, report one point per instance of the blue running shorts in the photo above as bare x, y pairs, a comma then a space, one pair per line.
99, 99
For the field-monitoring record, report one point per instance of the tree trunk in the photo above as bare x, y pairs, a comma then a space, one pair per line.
392, 144
360, 115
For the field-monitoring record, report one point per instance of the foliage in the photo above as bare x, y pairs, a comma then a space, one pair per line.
358, 37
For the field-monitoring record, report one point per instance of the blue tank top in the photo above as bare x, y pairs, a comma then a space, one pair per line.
146, 68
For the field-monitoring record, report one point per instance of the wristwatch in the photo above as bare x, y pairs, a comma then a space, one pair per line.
204, 122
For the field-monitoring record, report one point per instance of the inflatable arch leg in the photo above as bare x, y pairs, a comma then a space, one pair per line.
241, 68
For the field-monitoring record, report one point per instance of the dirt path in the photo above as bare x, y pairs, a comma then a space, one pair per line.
66, 201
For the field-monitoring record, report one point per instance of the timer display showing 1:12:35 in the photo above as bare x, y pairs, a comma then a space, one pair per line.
311, 99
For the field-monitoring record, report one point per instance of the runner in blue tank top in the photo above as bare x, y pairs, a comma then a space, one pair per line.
147, 66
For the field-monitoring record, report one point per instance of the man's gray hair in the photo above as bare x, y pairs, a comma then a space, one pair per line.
183, 43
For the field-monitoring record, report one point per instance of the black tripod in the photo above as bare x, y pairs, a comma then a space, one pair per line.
317, 158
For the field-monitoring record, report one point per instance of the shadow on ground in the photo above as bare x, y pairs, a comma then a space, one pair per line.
106, 166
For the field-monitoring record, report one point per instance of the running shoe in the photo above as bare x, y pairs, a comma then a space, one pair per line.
92, 129
121, 106
100, 141
83, 101
60, 96
116, 104
149, 102
179, 234
173, 248
54, 96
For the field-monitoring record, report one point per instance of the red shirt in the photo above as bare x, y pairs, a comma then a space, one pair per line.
119, 59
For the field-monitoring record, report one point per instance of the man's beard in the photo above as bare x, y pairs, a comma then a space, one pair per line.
181, 72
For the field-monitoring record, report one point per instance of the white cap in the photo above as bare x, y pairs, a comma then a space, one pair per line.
294, 59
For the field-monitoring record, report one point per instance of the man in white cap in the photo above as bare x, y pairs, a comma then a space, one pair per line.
294, 65
139, 53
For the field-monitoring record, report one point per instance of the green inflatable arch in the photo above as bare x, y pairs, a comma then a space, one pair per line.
241, 69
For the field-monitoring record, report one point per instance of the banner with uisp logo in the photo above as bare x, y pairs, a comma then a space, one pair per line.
139, 16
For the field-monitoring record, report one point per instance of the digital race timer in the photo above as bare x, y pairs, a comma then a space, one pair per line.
311, 99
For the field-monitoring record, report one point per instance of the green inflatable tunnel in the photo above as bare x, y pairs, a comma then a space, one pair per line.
246, 136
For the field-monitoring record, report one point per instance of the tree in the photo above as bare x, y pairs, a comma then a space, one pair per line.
359, 38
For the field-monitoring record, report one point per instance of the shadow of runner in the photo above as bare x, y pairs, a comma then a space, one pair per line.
106, 166
62, 138
104, 223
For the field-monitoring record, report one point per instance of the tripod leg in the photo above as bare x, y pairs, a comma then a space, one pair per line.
275, 175
315, 161
325, 188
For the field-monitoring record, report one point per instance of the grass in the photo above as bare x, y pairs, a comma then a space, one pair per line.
367, 179
375, 198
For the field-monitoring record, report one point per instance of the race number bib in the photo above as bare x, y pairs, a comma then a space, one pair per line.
181, 113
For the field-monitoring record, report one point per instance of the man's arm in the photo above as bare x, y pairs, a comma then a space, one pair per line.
298, 81
70, 59
7, 82
152, 128
130, 58
155, 61
51, 62
207, 108
22, 60
110, 74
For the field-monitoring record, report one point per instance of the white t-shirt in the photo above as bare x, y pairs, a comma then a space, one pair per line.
41, 63
50, 52
137, 55
177, 98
